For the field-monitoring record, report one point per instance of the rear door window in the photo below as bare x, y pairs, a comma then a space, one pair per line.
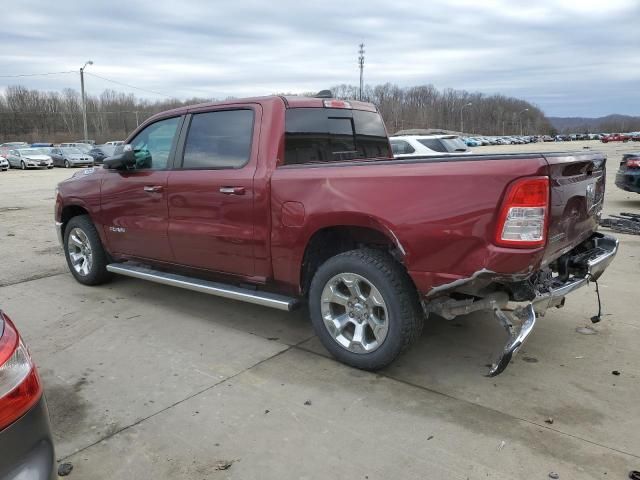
331, 135
218, 140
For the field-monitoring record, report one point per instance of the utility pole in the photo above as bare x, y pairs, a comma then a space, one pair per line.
361, 65
462, 117
84, 100
137, 121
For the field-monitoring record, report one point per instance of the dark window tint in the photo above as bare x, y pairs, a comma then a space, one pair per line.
400, 147
333, 134
152, 145
371, 136
454, 144
433, 143
219, 139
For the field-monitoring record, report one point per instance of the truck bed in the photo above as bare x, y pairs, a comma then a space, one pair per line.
441, 211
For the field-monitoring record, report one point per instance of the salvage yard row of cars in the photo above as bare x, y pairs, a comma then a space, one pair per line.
47, 155
521, 140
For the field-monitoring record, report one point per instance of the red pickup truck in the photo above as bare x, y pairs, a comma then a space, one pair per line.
615, 137
282, 200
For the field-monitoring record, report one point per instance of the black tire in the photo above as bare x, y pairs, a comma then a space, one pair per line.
98, 273
50, 167
405, 316
67, 164
22, 165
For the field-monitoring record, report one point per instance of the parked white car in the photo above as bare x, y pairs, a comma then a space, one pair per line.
4, 164
407, 146
29, 158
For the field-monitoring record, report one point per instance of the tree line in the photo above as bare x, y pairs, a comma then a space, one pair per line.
426, 107
608, 124
39, 116
33, 115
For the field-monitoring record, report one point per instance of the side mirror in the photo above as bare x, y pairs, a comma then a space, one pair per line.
123, 160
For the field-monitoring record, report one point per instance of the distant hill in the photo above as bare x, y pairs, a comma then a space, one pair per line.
610, 123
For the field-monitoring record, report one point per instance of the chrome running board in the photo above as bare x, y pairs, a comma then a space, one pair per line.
266, 299
527, 316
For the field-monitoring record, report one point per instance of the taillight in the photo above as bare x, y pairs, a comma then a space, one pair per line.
633, 162
20, 386
523, 217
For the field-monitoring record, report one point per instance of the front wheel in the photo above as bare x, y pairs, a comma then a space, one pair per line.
364, 308
22, 165
84, 252
66, 164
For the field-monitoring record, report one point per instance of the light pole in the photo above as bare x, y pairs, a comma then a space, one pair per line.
462, 117
520, 118
84, 101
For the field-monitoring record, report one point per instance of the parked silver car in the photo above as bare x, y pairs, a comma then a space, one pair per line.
68, 157
4, 164
29, 158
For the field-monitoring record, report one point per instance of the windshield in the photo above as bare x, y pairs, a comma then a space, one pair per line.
31, 151
72, 150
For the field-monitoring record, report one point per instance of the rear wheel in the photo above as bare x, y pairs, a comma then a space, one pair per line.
364, 308
84, 252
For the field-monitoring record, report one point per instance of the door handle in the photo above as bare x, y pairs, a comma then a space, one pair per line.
153, 188
232, 190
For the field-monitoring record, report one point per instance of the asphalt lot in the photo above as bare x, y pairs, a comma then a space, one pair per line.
150, 382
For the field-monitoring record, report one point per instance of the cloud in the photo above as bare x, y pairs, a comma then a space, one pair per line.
572, 57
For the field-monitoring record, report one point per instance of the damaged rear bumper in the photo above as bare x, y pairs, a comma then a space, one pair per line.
595, 261
585, 263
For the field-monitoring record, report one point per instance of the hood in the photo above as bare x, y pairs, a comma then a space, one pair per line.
37, 157
78, 156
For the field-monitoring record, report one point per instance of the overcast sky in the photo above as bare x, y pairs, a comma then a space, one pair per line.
570, 57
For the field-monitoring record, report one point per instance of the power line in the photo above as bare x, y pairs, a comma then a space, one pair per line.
101, 77
79, 112
35, 74
127, 85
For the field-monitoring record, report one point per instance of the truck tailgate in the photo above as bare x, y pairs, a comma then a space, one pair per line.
577, 183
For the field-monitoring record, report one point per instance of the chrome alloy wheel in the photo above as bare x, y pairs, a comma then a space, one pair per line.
80, 251
354, 313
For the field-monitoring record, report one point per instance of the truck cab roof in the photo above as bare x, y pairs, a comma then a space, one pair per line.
290, 101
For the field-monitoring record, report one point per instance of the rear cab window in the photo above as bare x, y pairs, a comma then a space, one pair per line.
314, 135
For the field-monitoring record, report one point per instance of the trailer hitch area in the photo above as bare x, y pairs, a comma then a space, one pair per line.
525, 319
